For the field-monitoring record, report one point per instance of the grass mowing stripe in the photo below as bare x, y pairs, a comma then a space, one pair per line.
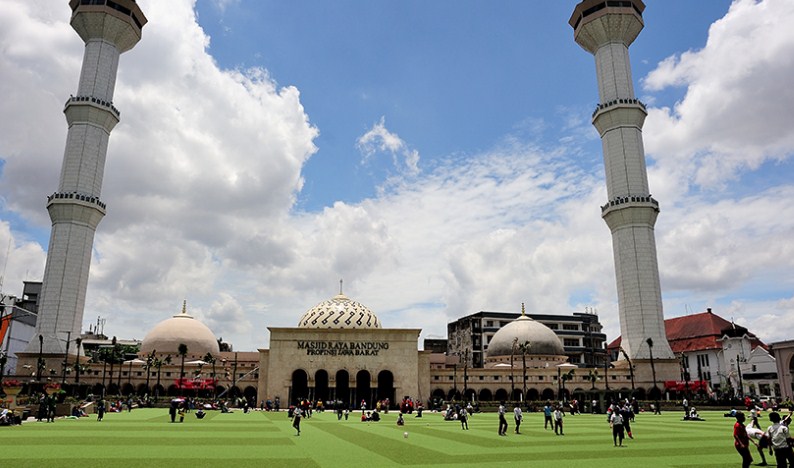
146, 438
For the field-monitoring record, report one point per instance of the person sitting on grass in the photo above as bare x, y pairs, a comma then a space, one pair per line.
400, 420
200, 414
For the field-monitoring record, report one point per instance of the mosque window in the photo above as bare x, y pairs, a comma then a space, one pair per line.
570, 326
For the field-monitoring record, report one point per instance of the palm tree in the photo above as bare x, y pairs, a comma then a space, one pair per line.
593, 377
158, 363
182, 350
147, 366
210, 359
524, 348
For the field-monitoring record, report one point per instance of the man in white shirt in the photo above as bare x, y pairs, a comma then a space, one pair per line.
502, 420
558, 415
759, 439
779, 436
517, 416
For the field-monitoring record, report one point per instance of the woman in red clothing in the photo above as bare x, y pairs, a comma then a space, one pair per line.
741, 440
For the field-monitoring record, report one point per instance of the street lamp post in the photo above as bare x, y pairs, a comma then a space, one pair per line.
40, 365
561, 377
653, 369
465, 372
66, 356
78, 341
512, 372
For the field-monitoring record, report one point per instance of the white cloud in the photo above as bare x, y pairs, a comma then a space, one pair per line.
736, 113
380, 139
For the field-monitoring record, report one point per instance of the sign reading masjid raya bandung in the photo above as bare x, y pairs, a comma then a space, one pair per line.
343, 348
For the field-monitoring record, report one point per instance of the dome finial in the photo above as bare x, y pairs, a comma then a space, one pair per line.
340, 286
523, 313
184, 307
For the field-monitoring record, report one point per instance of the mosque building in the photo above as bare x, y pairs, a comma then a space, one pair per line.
339, 351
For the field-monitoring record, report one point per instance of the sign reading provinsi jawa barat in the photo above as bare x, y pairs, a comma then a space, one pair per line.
343, 348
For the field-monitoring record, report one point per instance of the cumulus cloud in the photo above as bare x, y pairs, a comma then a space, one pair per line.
736, 112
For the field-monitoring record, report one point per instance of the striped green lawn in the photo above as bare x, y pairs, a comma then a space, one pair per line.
145, 438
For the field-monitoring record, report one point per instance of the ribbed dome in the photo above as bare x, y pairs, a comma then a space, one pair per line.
167, 335
542, 340
339, 312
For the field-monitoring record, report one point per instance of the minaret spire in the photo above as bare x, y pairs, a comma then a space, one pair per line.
606, 30
108, 29
340, 287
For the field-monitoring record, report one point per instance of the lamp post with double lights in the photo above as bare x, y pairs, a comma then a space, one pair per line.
564, 372
653, 369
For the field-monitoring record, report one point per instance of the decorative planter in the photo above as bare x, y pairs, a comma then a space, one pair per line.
12, 393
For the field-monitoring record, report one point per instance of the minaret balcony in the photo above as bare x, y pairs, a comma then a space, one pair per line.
619, 113
75, 207
630, 211
88, 109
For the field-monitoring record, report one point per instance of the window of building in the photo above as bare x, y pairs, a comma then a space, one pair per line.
570, 326
553, 326
489, 323
496, 377
435, 377
450, 377
570, 342
482, 377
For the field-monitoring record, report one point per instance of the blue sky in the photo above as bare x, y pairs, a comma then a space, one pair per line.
438, 156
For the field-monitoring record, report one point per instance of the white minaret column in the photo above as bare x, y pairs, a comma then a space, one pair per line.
108, 28
606, 29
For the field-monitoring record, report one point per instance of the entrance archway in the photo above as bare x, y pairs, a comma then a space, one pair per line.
343, 387
363, 389
321, 385
548, 394
386, 386
300, 386
501, 395
485, 395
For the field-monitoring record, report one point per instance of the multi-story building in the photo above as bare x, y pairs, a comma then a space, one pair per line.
580, 333
725, 357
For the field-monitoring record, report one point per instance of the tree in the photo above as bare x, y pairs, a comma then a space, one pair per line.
524, 348
210, 359
147, 366
182, 350
593, 377
158, 363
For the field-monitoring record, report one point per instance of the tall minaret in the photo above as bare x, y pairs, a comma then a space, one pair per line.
108, 28
606, 29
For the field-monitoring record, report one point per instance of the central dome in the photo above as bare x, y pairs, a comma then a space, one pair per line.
339, 312
542, 340
167, 335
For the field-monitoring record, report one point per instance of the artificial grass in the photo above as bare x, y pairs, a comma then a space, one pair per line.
146, 438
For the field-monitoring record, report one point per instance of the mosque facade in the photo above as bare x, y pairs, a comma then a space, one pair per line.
339, 351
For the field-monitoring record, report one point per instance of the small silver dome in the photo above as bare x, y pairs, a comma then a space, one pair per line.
542, 340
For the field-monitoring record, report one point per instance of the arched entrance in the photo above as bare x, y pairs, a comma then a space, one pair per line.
250, 394
486, 395
321, 391
343, 387
469, 395
300, 386
386, 387
363, 389
533, 394
501, 395
548, 394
